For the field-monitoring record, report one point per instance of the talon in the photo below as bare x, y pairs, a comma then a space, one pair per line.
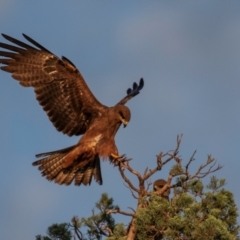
117, 157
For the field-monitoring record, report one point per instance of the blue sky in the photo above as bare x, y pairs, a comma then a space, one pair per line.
188, 52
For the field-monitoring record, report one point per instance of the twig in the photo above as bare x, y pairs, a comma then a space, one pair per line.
134, 196
114, 211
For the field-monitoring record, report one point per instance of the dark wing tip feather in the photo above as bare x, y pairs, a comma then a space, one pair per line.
36, 163
132, 92
129, 91
40, 155
141, 83
135, 88
35, 43
66, 59
17, 42
24, 45
5, 36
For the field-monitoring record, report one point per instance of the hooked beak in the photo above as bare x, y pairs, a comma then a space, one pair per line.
125, 123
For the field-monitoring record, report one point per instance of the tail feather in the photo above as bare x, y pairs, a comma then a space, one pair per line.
97, 171
60, 178
79, 178
46, 162
51, 166
64, 150
51, 162
84, 176
69, 178
91, 170
52, 172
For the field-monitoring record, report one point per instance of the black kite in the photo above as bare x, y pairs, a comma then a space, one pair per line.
71, 107
158, 186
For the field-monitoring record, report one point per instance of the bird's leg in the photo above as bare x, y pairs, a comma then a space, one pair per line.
116, 159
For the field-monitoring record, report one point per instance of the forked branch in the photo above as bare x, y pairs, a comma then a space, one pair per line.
142, 190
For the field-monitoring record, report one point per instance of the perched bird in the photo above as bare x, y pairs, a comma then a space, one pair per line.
71, 107
157, 187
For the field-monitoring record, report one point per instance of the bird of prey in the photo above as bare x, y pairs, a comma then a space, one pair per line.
71, 107
157, 187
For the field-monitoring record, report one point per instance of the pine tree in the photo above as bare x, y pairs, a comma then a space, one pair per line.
190, 212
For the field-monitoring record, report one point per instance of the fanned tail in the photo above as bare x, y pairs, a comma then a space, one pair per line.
51, 166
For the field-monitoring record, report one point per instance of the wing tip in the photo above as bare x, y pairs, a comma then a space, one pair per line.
132, 92
141, 83
135, 88
5, 36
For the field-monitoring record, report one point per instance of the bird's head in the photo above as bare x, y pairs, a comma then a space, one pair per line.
124, 114
158, 186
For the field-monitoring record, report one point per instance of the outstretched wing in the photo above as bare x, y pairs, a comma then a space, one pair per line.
59, 86
132, 92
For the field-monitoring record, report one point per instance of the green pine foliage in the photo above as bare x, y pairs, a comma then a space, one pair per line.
119, 232
57, 232
192, 213
100, 223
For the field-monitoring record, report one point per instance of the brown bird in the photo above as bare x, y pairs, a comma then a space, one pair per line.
157, 188
71, 107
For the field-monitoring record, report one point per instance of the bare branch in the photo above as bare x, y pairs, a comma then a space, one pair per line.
199, 173
114, 211
132, 209
190, 160
130, 169
103, 227
145, 172
121, 170
74, 225
149, 183
161, 162
100, 229
134, 196
211, 169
